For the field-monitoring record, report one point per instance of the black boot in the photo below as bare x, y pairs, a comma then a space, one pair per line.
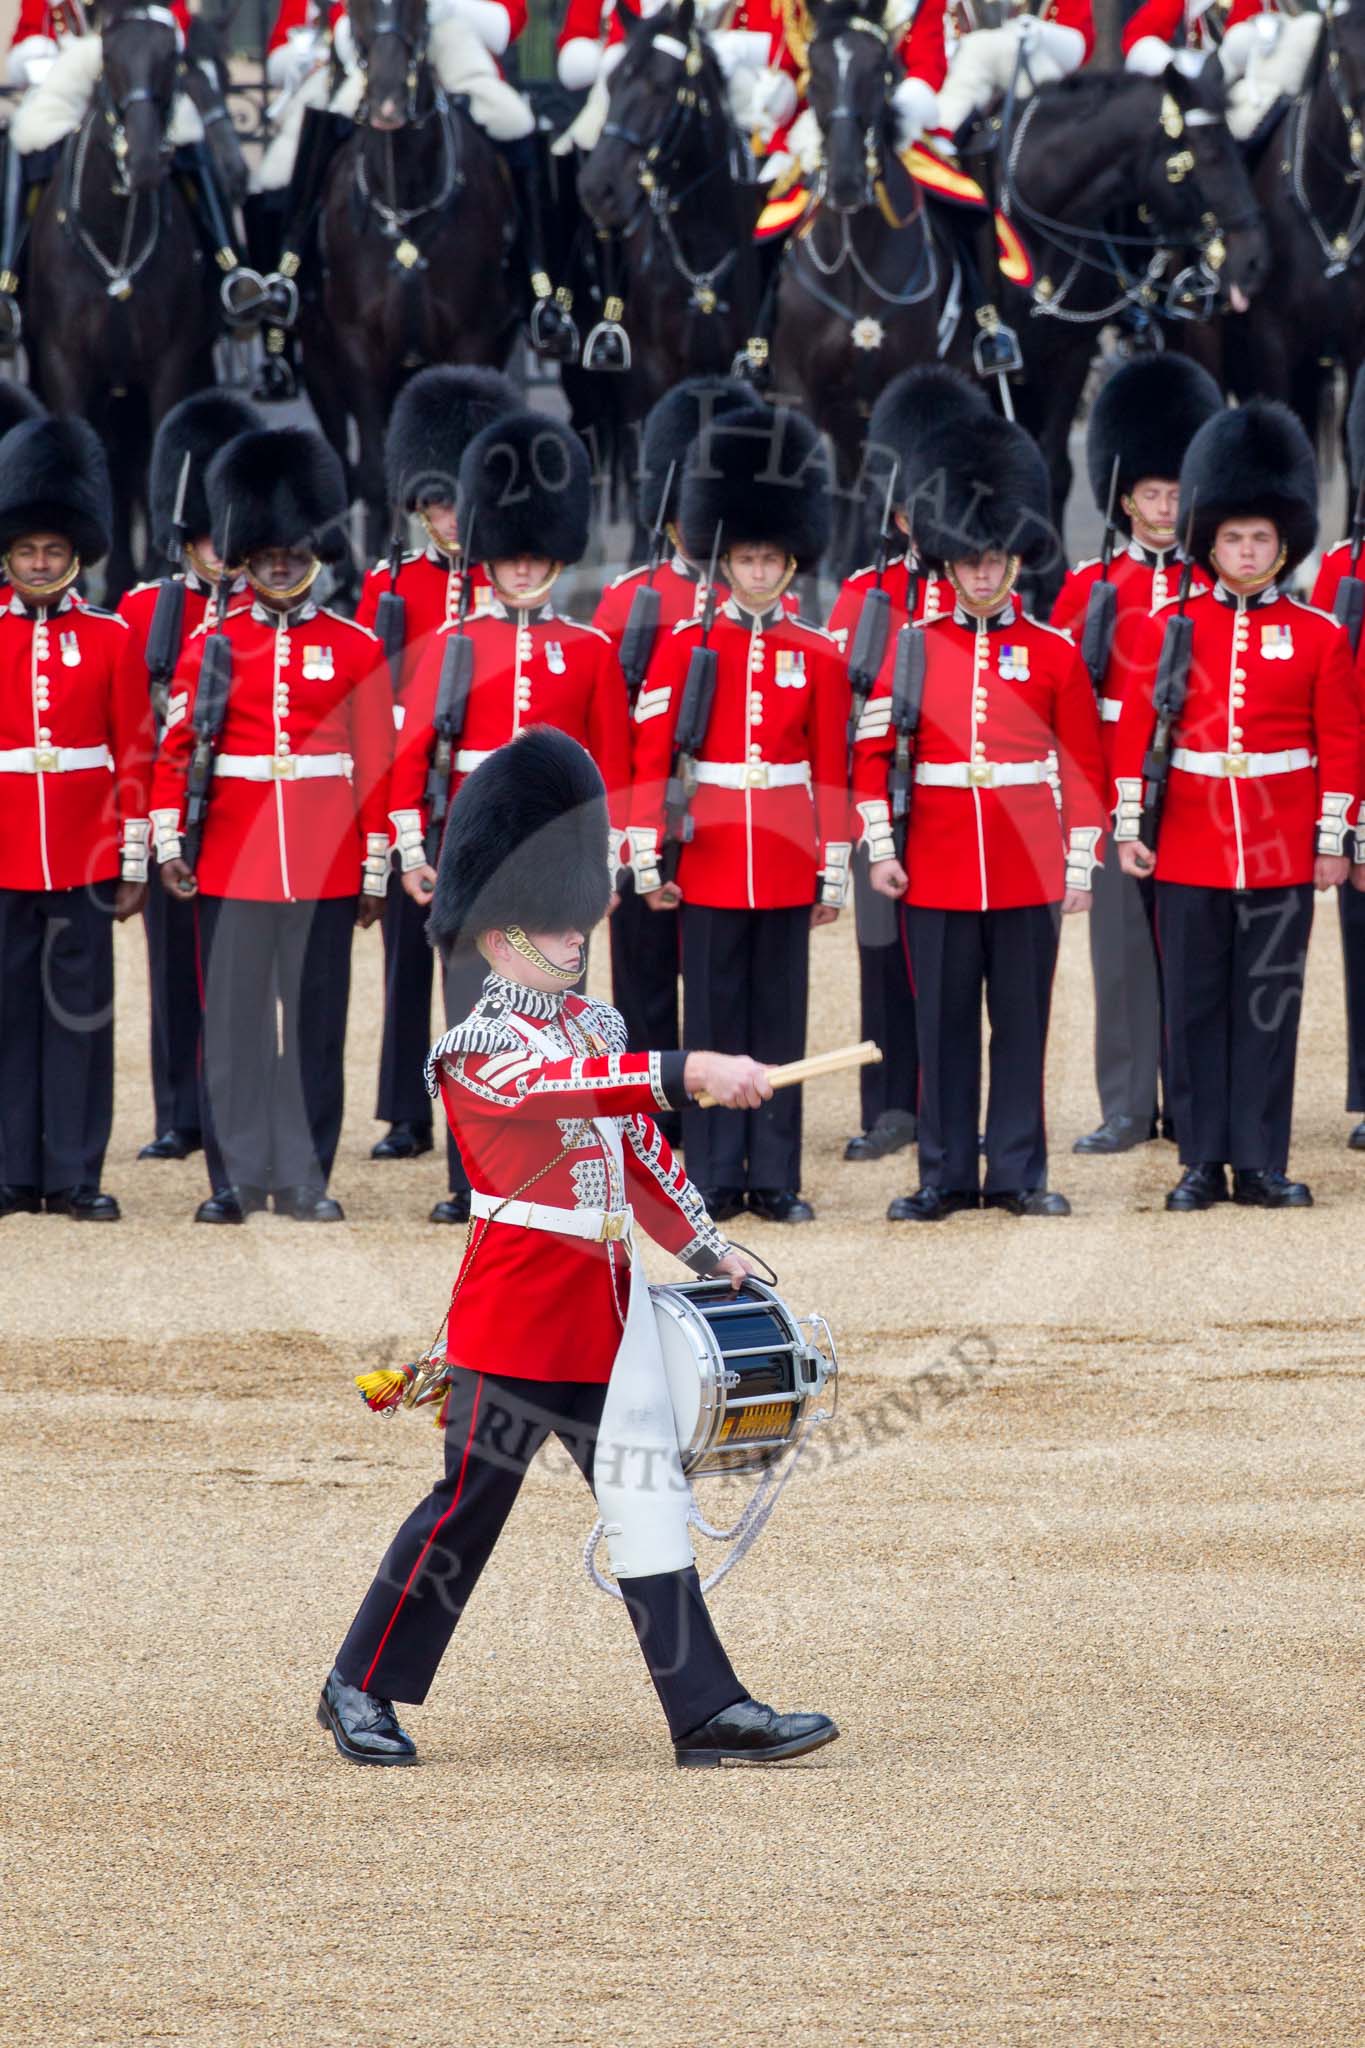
364, 1728
11, 233
608, 345
242, 291
553, 333
995, 349
320, 137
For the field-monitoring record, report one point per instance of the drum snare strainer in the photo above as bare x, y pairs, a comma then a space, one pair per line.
742, 1372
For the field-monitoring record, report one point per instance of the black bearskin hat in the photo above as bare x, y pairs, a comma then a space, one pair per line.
1146, 413
17, 404
54, 479
198, 427
278, 486
980, 482
1355, 434
918, 402
526, 844
759, 476
526, 484
673, 424
435, 417
1252, 461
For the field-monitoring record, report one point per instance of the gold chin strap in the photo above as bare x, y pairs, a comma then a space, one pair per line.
745, 599
42, 594
985, 608
1254, 584
518, 941
282, 599
526, 600
447, 547
1162, 537
199, 567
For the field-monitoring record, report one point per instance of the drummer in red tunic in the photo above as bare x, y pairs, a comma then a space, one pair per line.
551, 1329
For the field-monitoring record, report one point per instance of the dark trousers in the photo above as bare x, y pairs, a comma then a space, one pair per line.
277, 983
463, 978
745, 984
644, 979
954, 956
1351, 905
886, 1004
1233, 961
173, 976
56, 1035
408, 963
494, 1428
1123, 963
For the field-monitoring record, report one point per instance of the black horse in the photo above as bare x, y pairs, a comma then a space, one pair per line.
863, 283
668, 179
415, 226
1309, 180
207, 81
121, 306
1114, 181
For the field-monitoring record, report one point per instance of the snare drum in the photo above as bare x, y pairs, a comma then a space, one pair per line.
741, 1371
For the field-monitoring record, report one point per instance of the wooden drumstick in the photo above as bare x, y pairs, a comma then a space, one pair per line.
819, 1063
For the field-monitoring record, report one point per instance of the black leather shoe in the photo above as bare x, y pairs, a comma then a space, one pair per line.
230, 1205
364, 1728
454, 1209
172, 1144
1029, 1202
1259, 1190
20, 1202
723, 1204
1199, 1187
931, 1205
83, 1205
1356, 1141
779, 1205
308, 1205
889, 1134
750, 1733
1117, 1134
403, 1141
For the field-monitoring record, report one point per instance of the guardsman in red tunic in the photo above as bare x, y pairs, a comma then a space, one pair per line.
295, 845
162, 616
1143, 418
911, 405
435, 417
523, 508
766, 850
645, 952
1006, 736
1337, 565
551, 1328
75, 755
1263, 784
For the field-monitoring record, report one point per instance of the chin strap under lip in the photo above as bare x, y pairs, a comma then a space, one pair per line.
518, 941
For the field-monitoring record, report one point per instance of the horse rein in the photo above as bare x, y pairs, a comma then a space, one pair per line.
388, 21
1340, 251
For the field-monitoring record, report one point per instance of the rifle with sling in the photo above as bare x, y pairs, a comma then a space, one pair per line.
694, 715
1349, 603
452, 706
642, 625
1097, 633
907, 701
391, 613
868, 645
167, 630
1168, 698
210, 709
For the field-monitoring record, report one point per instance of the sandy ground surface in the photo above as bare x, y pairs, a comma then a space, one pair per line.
1077, 1569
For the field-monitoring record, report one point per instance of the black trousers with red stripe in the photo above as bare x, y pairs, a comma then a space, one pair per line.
56, 1036
494, 1428
173, 977
1352, 911
408, 966
886, 1004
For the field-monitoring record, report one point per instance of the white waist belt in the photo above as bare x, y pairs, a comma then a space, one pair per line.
755, 774
1111, 710
282, 767
52, 760
599, 1226
469, 758
979, 774
1238, 765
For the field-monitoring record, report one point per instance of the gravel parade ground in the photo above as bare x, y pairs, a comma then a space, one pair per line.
1077, 1569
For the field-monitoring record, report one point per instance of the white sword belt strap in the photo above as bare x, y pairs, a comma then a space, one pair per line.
283, 767
755, 774
979, 774
597, 1226
1235, 766
52, 760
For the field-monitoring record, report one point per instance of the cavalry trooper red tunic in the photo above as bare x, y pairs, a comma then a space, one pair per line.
1336, 564
75, 755
769, 816
435, 417
532, 666
1265, 770
1143, 419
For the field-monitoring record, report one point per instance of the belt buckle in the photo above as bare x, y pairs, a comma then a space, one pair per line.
1236, 764
613, 1227
46, 760
283, 767
980, 774
756, 775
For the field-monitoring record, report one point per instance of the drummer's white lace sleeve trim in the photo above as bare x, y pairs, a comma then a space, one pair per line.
707, 1246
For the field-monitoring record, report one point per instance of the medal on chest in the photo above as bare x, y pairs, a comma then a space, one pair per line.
554, 657
71, 650
1277, 643
1012, 666
318, 665
789, 668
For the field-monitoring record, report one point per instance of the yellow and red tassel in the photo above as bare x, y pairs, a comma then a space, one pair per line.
383, 1390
